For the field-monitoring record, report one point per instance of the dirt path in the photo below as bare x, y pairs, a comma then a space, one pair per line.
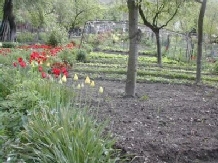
166, 123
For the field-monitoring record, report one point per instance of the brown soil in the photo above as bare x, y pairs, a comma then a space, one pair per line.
165, 123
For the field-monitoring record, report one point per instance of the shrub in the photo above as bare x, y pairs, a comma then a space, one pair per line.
67, 56
88, 48
216, 68
25, 37
9, 44
53, 39
43, 37
57, 36
81, 55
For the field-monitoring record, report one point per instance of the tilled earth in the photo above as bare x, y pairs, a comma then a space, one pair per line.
165, 123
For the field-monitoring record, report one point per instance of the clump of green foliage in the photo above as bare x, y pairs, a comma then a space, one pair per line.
57, 36
63, 135
26, 37
216, 68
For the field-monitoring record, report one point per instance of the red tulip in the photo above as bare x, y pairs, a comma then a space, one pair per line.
44, 75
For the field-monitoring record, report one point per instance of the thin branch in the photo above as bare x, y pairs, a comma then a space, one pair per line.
174, 14
199, 1
148, 24
155, 19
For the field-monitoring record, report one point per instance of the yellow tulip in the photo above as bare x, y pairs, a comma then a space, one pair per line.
78, 86
48, 64
82, 85
75, 77
34, 63
92, 84
64, 79
87, 81
60, 81
101, 90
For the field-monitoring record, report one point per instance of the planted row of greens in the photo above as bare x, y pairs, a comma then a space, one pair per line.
147, 61
105, 64
143, 67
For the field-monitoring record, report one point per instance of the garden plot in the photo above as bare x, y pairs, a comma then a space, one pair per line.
168, 123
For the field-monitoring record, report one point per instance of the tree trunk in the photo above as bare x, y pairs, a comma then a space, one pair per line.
159, 55
200, 40
134, 35
8, 26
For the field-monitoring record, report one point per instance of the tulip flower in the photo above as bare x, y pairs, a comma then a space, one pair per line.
82, 85
44, 75
87, 81
101, 90
40, 68
75, 77
60, 81
78, 86
48, 64
15, 64
92, 84
22, 64
34, 64
20, 59
64, 79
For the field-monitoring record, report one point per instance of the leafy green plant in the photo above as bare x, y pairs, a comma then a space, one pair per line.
88, 48
57, 36
53, 40
14, 110
81, 55
68, 56
9, 45
6, 82
43, 37
25, 37
63, 135
216, 68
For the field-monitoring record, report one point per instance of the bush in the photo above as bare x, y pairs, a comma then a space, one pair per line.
81, 55
53, 39
57, 36
67, 56
43, 37
63, 135
88, 48
9, 44
25, 37
216, 68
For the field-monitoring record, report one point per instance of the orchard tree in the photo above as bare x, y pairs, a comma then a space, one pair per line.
186, 23
134, 36
8, 26
210, 21
74, 13
200, 38
115, 10
157, 14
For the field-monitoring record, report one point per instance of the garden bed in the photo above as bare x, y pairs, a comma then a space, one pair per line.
165, 123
